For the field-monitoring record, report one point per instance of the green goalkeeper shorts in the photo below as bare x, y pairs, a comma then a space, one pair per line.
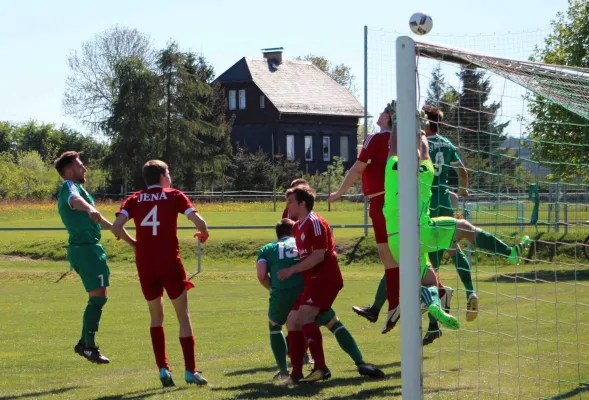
280, 304
437, 234
394, 248
441, 204
89, 261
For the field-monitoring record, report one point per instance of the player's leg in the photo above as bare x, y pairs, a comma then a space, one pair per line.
158, 336
347, 343
487, 241
392, 281
312, 333
279, 306
296, 346
384, 252
464, 272
94, 273
431, 300
371, 312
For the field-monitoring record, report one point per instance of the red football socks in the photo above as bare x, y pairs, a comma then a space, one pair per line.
315, 342
158, 341
393, 288
187, 344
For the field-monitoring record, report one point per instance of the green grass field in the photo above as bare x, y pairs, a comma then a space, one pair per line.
531, 339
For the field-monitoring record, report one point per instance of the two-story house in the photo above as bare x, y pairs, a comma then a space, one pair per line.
291, 108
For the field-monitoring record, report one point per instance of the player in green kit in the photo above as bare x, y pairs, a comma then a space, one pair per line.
430, 295
281, 254
86, 256
438, 232
444, 155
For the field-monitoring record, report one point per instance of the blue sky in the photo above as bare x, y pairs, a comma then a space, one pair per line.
38, 35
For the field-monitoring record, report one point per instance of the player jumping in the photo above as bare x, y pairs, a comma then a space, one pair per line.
83, 223
155, 213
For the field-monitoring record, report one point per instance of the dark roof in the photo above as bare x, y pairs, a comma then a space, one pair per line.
296, 87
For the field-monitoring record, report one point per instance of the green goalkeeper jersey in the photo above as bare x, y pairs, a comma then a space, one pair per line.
444, 154
281, 254
391, 185
81, 229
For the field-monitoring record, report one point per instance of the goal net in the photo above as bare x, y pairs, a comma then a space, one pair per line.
521, 128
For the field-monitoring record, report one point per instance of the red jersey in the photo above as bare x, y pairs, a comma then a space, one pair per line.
155, 212
313, 233
375, 152
286, 214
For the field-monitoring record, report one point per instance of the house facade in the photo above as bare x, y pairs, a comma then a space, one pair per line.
291, 109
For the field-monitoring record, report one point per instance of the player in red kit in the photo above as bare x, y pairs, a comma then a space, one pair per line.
323, 281
370, 166
157, 257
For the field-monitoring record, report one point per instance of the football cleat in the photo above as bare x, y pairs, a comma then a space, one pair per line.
280, 375
518, 250
194, 378
393, 317
166, 378
447, 320
430, 336
370, 313
317, 375
292, 381
370, 370
472, 307
79, 348
92, 354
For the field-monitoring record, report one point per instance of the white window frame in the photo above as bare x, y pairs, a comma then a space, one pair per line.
262, 101
344, 155
233, 99
242, 99
290, 147
323, 155
309, 141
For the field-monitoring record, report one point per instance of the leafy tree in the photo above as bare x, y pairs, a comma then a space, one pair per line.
6, 138
341, 73
560, 136
89, 89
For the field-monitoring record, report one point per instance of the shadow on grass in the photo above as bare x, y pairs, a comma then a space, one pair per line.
573, 393
142, 394
353, 253
542, 276
265, 390
38, 394
252, 371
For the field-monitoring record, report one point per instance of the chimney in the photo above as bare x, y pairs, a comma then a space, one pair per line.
273, 55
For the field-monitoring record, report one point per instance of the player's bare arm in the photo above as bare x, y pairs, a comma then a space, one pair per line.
315, 258
201, 226
352, 177
79, 204
117, 228
424, 147
462, 179
262, 269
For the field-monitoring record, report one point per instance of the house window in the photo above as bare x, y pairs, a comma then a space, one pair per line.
326, 148
262, 101
308, 148
242, 99
290, 147
232, 99
343, 148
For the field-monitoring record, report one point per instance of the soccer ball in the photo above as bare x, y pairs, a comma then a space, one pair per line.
421, 23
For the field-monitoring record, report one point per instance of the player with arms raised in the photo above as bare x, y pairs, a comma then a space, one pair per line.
370, 166
155, 213
323, 281
444, 155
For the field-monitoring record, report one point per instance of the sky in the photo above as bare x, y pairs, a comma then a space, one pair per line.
37, 36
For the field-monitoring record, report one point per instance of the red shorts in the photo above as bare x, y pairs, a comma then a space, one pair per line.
379, 224
319, 293
169, 275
